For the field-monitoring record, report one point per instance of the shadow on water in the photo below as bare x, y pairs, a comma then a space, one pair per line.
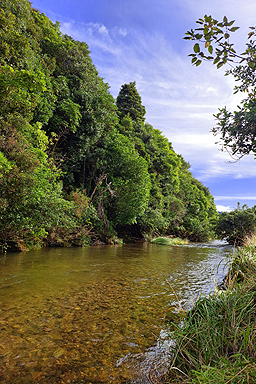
95, 315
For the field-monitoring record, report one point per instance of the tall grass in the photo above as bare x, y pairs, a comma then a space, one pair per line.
250, 241
216, 341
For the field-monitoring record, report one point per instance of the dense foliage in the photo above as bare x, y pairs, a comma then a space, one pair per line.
75, 166
237, 225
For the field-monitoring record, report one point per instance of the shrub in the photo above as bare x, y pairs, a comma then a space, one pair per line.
236, 225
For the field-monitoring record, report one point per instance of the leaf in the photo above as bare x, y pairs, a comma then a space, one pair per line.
196, 48
220, 64
216, 60
233, 29
251, 64
227, 35
207, 44
198, 62
225, 20
210, 49
193, 60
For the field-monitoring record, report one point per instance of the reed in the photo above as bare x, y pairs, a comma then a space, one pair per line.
215, 343
250, 241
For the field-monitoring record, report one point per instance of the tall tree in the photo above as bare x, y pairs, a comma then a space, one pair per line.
129, 104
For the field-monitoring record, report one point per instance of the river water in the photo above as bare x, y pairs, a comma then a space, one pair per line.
97, 314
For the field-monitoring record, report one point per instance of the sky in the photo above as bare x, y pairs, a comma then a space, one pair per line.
142, 41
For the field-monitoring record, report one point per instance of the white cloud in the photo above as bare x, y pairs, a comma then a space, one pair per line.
224, 208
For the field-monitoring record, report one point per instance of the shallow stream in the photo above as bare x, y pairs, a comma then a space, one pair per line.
97, 314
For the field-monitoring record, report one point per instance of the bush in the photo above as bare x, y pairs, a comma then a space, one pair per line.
235, 226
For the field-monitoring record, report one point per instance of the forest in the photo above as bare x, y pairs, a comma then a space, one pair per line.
78, 167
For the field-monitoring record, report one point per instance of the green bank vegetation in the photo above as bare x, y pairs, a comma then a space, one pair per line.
76, 166
238, 226
215, 341
169, 241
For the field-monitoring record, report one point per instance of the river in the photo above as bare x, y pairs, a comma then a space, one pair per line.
97, 314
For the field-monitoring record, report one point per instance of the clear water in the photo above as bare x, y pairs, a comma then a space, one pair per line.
95, 315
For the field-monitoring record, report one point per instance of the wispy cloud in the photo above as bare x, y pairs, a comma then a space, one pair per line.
235, 198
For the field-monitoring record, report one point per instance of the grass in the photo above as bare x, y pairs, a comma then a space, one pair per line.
169, 241
216, 341
250, 241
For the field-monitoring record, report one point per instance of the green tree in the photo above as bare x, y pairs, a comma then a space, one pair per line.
39, 105
123, 182
234, 226
130, 179
129, 104
236, 129
200, 211
84, 112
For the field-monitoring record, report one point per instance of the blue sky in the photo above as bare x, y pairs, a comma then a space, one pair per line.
142, 41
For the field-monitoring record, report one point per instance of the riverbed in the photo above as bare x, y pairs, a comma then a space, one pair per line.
97, 314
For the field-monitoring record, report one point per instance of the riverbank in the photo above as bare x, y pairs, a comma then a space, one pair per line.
215, 341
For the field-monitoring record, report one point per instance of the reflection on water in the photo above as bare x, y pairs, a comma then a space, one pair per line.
94, 315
